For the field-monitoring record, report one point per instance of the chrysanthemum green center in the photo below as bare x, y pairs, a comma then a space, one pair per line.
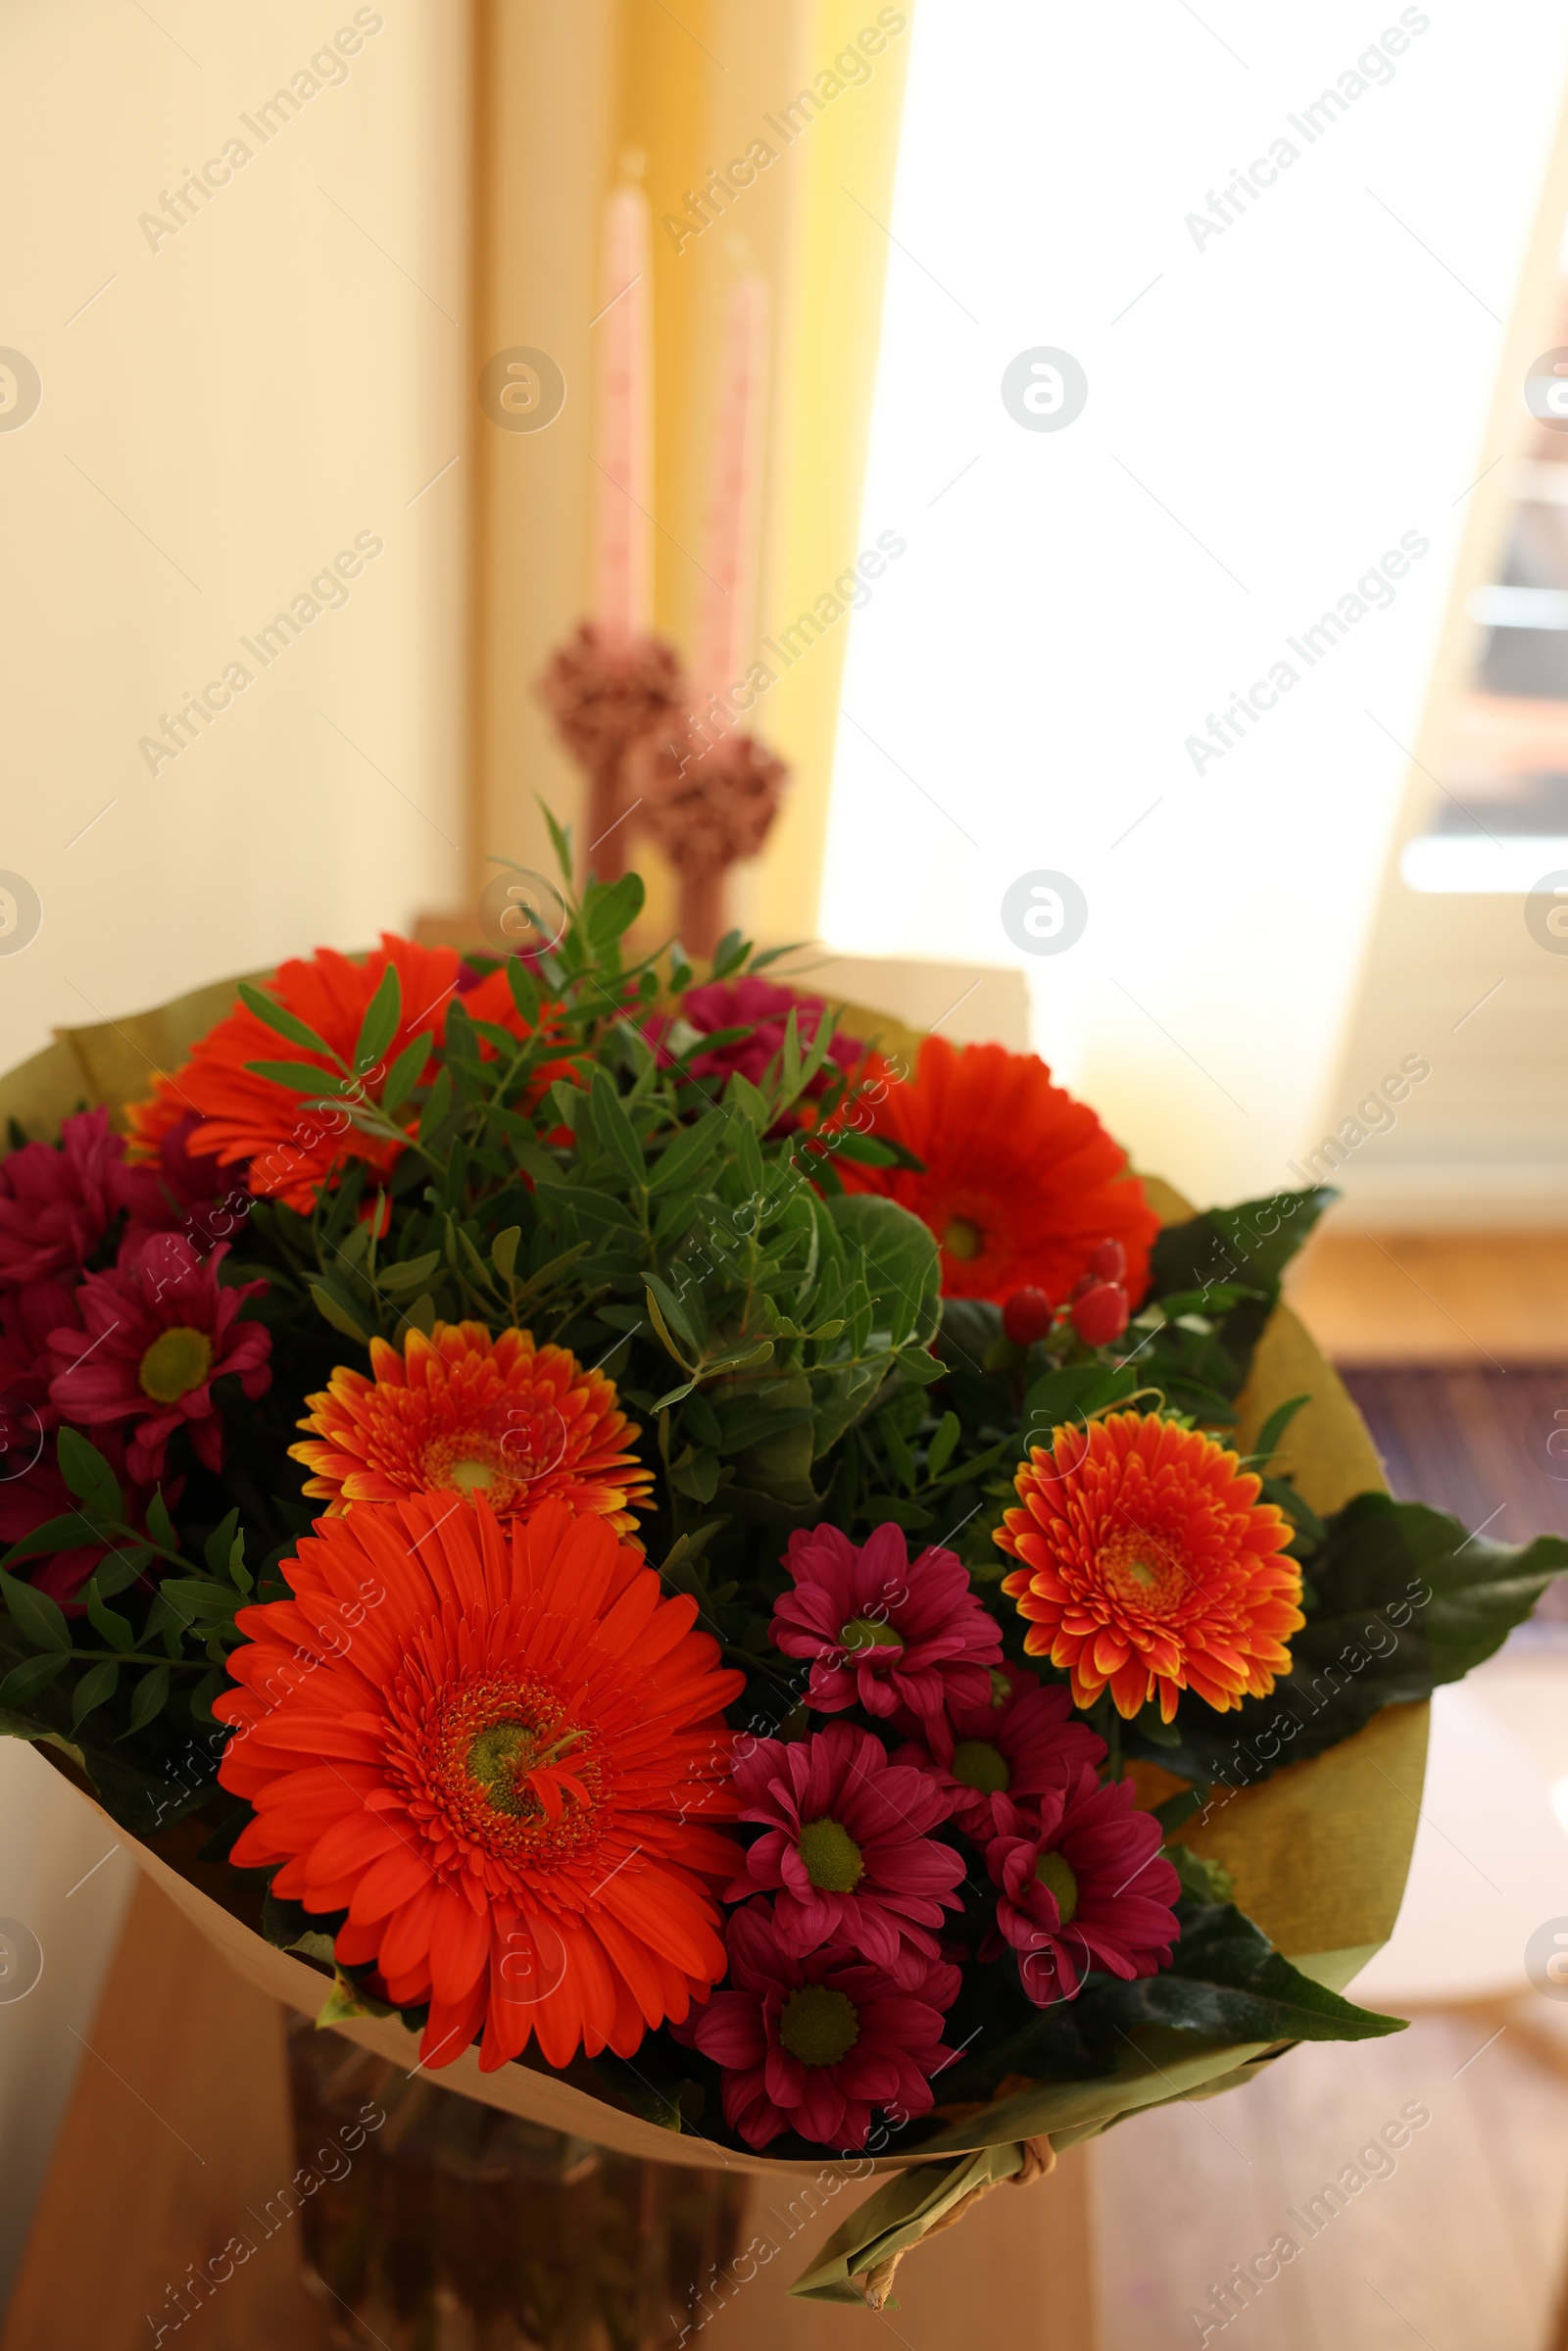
963, 1238
976, 1763
866, 1633
1055, 1876
819, 2025
831, 1857
502, 1754
177, 1362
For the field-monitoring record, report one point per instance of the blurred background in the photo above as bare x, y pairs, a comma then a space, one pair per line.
1154, 528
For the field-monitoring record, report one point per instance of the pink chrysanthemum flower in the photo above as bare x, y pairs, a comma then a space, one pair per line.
882, 1629
1017, 1742
814, 2044
157, 1331
763, 1006
1081, 1886
844, 1842
56, 1202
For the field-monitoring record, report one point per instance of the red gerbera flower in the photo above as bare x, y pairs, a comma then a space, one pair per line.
845, 1840
460, 1412
882, 1629
1013, 1744
498, 1750
293, 1143
1082, 1886
1148, 1562
156, 1333
1021, 1183
813, 2044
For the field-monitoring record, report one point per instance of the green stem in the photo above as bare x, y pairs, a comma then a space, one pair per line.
179, 1665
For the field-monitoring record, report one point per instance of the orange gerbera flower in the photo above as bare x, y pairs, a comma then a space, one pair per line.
1020, 1183
460, 1412
296, 1144
499, 1753
1148, 1562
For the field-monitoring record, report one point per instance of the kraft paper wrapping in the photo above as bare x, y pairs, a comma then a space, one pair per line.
1319, 1852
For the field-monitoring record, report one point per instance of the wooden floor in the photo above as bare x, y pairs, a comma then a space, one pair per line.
1433, 1298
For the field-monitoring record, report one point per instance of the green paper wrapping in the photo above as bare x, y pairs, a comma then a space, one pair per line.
1319, 1853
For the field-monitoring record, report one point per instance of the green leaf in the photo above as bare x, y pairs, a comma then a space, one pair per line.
89, 1476
150, 1696
525, 991
411, 1274
940, 1451
406, 1071
64, 1534
609, 908
96, 1686
114, 1629
160, 1526
299, 1078
328, 1307
33, 1675
283, 1022
669, 1318
901, 1262
1248, 1247
380, 1026
560, 840
504, 1250
38, 1619
691, 1149
615, 1129
216, 1547
1274, 1428
438, 1107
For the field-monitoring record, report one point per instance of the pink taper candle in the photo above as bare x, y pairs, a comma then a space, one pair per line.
623, 442
728, 594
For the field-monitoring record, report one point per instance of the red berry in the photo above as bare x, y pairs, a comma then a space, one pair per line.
1085, 1281
1109, 1262
1027, 1316
1100, 1316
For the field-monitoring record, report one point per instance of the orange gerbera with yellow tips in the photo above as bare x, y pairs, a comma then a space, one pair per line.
1148, 1563
501, 1751
461, 1413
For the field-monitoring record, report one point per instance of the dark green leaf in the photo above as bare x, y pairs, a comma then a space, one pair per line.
89, 1476
406, 1072
282, 1022
150, 1696
25, 1680
504, 1250
525, 991
332, 1309
38, 1619
95, 1688
690, 1150
160, 1526
380, 1023
114, 1629
615, 1129
299, 1078
216, 1547
940, 1451
1248, 1247
66, 1534
1274, 1428
901, 1263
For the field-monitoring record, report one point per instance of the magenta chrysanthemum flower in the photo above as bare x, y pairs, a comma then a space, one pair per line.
765, 1008
814, 2044
179, 1186
56, 1202
159, 1331
882, 1630
1082, 1886
845, 1844
1015, 1745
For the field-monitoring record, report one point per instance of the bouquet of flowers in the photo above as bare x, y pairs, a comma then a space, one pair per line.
729, 1568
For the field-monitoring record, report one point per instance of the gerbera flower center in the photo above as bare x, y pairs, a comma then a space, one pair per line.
177, 1362
963, 1238
868, 1632
510, 1771
819, 2025
1136, 1564
471, 1464
1056, 1877
976, 1763
831, 1857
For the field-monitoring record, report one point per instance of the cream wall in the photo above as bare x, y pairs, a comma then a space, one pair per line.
217, 423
